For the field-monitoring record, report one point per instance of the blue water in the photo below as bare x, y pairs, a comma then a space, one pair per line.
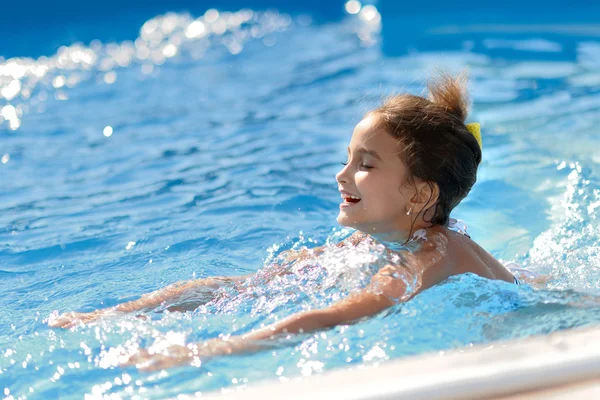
205, 149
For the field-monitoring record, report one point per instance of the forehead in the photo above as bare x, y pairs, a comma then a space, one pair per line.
370, 136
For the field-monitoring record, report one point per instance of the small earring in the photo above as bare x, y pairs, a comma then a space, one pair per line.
409, 211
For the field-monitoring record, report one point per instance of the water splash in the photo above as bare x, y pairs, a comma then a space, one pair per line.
569, 250
98, 268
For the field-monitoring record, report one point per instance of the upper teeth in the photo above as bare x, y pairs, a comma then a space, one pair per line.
349, 196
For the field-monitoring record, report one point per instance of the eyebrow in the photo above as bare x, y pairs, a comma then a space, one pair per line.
362, 150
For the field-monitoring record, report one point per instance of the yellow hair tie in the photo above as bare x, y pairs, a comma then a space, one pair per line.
475, 130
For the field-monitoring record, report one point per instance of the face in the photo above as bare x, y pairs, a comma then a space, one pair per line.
373, 184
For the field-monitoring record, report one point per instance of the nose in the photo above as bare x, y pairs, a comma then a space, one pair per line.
340, 177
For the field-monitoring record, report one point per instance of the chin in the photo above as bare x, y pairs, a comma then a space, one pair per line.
341, 219
346, 221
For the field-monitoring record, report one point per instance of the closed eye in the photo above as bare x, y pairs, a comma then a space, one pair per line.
363, 166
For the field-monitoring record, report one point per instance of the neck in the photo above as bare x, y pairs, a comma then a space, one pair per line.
391, 237
399, 237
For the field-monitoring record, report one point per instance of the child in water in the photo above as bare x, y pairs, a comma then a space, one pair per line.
410, 162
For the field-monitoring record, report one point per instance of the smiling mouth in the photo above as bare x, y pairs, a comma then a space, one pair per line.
351, 199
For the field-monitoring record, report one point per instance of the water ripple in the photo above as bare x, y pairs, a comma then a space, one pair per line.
208, 145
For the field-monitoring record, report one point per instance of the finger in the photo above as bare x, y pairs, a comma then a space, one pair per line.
153, 362
138, 358
151, 366
160, 363
56, 323
62, 321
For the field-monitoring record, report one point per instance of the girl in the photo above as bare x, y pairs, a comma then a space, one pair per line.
410, 162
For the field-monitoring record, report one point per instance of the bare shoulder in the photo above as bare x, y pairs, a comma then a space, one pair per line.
466, 255
436, 253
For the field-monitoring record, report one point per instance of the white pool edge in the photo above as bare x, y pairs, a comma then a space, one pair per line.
486, 371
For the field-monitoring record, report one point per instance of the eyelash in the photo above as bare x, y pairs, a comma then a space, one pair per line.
360, 165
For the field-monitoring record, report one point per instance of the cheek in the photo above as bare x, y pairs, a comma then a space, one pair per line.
382, 193
374, 186
391, 202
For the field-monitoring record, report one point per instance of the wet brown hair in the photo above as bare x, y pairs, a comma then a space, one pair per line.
435, 144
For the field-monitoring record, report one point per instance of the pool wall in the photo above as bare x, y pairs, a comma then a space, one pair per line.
564, 364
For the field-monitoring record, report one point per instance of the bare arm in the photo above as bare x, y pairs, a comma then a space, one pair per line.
168, 294
358, 305
175, 292
179, 290
381, 294
407, 275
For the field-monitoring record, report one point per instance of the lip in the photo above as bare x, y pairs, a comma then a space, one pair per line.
345, 204
343, 192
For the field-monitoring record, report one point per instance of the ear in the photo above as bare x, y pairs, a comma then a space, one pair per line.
425, 195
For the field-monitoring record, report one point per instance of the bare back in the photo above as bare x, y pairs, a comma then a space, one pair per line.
463, 255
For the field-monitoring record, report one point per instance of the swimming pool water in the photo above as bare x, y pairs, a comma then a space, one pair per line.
209, 144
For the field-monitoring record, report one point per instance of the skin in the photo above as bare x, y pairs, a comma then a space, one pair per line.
391, 207
391, 203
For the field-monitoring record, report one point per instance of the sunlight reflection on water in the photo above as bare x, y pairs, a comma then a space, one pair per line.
204, 145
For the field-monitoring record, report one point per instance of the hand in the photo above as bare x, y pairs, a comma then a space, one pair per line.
151, 359
160, 357
71, 319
